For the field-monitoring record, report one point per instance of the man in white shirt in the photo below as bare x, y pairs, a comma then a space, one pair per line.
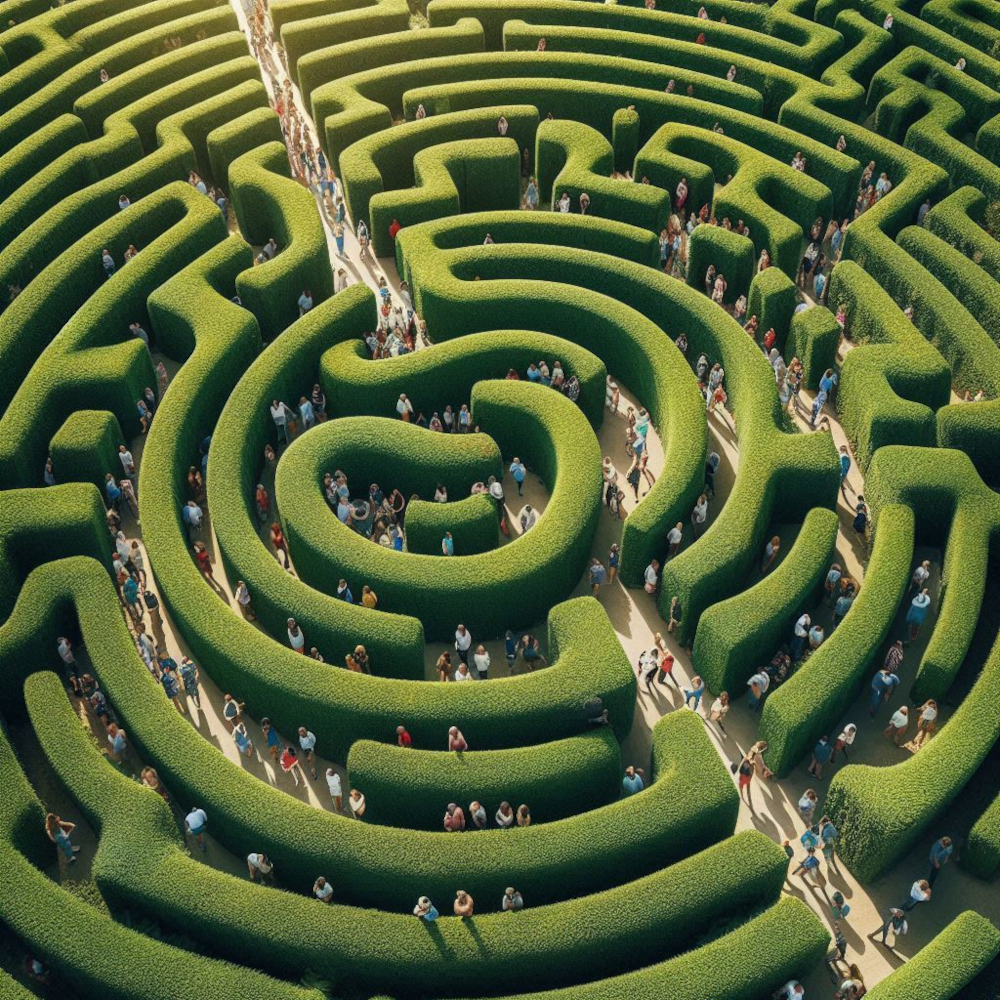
651, 577
758, 685
308, 743
674, 537
792, 990
196, 821
801, 634
528, 518
259, 864
482, 661
336, 790
296, 637
920, 892
463, 642
279, 414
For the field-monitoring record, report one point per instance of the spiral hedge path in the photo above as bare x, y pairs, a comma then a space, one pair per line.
141, 316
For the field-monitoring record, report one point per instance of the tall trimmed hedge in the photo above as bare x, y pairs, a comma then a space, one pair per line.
882, 812
982, 849
739, 635
941, 969
490, 592
813, 699
411, 788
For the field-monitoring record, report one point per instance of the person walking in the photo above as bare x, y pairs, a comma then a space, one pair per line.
807, 806
920, 892
895, 922
58, 830
919, 607
195, 823
308, 743
898, 724
941, 851
822, 753
695, 692
518, 472
597, 575
632, 782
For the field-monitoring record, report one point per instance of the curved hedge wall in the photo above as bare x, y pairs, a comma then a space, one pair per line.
411, 788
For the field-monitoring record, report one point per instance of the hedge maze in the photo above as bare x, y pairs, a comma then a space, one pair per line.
645, 191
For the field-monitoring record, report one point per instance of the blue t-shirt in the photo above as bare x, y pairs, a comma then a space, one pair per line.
597, 574
517, 471
845, 465
632, 784
939, 854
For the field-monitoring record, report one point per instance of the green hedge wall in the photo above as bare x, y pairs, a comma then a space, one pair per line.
883, 811
286, 370
329, 65
982, 849
772, 300
386, 161
88, 365
466, 175
86, 950
472, 521
941, 969
411, 788
812, 700
86, 447
739, 635
893, 380
267, 203
813, 338
572, 157
594, 303
575, 940
731, 254
950, 502
434, 377
384, 866
732, 966
489, 592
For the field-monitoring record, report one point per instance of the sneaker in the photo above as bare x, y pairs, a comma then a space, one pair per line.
76, 850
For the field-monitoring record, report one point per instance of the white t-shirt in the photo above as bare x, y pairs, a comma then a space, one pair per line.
278, 415
920, 574
459, 676
297, 641
650, 575
917, 893
674, 536
700, 513
482, 662
307, 742
257, 861
761, 680
929, 714
323, 892
125, 457
196, 819
899, 719
65, 651
463, 640
404, 406
333, 783
802, 626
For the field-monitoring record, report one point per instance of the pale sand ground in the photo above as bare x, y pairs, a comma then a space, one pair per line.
635, 619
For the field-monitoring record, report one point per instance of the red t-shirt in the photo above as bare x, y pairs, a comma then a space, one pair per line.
405, 739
